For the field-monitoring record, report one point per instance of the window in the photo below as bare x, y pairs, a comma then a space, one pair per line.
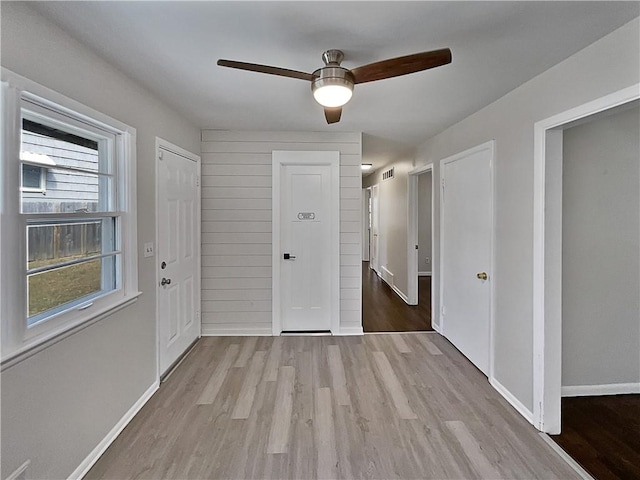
34, 179
70, 226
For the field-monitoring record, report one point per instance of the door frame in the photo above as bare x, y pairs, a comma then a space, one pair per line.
412, 233
547, 254
374, 261
491, 147
281, 158
165, 145
366, 233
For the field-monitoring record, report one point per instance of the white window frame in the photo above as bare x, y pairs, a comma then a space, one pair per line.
18, 340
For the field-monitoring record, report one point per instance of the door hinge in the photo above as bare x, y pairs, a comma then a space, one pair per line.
444, 310
197, 180
160, 154
443, 183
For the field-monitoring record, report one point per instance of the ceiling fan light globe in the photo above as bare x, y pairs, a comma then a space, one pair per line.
332, 95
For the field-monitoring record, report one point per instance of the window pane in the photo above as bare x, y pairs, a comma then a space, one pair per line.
63, 287
69, 191
63, 148
50, 244
75, 167
31, 176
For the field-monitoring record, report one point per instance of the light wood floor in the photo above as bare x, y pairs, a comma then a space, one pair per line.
404, 406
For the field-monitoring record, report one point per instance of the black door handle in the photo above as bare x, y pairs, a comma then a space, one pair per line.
288, 256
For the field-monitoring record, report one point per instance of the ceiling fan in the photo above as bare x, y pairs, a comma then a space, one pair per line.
332, 85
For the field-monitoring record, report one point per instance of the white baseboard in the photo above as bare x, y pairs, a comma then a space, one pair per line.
346, 331
387, 275
584, 475
436, 327
595, 390
95, 454
509, 397
401, 294
248, 331
424, 274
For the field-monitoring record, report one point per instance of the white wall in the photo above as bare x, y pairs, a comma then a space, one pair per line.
425, 185
236, 227
604, 67
601, 251
59, 404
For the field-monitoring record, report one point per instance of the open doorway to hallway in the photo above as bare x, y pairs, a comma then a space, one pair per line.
386, 307
600, 346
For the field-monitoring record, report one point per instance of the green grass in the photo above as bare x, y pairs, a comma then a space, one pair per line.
56, 287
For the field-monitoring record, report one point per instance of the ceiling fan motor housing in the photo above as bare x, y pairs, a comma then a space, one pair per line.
334, 79
332, 76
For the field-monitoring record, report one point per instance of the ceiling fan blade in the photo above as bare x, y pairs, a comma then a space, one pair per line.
332, 114
394, 67
254, 67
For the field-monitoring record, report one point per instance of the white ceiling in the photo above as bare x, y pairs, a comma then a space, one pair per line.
172, 48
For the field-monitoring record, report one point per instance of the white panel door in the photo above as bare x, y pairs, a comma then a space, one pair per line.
466, 246
178, 240
305, 241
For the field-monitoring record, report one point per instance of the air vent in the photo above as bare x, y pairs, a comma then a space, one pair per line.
388, 175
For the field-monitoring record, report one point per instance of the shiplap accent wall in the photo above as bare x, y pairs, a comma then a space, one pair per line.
236, 227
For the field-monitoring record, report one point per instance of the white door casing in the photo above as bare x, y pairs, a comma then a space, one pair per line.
466, 253
412, 233
375, 229
547, 254
178, 252
306, 285
366, 234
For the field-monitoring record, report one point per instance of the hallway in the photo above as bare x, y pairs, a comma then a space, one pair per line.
384, 311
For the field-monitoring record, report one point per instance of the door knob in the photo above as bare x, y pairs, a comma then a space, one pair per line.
165, 281
482, 275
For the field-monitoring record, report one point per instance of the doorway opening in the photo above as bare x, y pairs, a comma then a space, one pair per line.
547, 253
385, 307
420, 239
600, 298
587, 180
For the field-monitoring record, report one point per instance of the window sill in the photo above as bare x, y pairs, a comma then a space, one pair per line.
37, 345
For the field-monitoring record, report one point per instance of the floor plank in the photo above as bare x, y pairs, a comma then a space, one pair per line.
411, 414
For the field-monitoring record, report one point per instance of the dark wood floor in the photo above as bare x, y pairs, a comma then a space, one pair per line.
603, 435
384, 311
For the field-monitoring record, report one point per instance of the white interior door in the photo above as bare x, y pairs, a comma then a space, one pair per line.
178, 255
375, 226
306, 241
305, 238
466, 252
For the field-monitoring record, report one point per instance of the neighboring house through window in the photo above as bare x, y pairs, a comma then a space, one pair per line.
73, 226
